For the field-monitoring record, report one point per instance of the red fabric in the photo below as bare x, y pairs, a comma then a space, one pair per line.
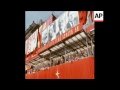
79, 69
91, 14
83, 17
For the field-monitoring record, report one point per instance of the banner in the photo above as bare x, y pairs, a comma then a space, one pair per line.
51, 32
41, 30
46, 24
49, 21
65, 22
26, 47
35, 40
31, 43
65, 35
72, 19
87, 20
61, 24
45, 37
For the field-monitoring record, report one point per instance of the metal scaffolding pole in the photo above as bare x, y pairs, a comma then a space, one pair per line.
65, 53
87, 46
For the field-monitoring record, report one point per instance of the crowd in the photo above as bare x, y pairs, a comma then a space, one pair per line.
69, 57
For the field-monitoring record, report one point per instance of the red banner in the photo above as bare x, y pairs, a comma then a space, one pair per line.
49, 21
86, 19
79, 69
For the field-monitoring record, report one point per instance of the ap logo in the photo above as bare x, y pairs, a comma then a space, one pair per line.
98, 16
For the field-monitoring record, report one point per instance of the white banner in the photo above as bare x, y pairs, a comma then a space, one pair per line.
63, 23
26, 46
45, 37
51, 32
72, 19
31, 42
89, 19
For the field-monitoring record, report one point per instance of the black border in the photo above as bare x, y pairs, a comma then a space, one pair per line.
17, 45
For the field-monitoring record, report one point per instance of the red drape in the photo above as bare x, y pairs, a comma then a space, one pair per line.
83, 17
79, 69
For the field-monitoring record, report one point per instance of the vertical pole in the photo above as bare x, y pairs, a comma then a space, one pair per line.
50, 66
92, 46
65, 53
87, 45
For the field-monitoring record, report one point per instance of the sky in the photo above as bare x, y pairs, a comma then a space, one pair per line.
35, 16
